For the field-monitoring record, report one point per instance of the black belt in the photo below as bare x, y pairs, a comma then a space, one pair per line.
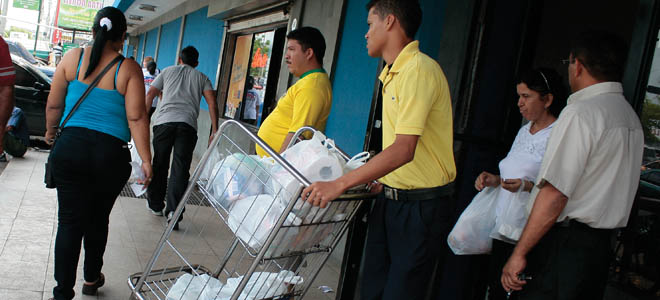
419, 194
572, 223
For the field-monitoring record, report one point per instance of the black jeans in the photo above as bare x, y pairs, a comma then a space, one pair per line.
182, 137
499, 255
90, 170
404, 240
569, 263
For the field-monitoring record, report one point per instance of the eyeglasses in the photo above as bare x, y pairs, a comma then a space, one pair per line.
567, 61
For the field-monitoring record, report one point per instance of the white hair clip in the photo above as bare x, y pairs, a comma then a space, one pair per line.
105, 22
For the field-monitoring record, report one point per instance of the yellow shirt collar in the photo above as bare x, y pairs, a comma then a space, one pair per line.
401, 60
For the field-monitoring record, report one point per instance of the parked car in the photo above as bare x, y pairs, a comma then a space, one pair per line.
31, 92
649, 183
17, 48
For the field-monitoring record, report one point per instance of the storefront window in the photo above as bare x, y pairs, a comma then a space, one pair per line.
249, 77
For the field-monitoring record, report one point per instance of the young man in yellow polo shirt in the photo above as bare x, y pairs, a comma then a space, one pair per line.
410, 220
308, 101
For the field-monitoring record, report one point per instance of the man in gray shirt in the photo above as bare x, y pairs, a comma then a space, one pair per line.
175, 126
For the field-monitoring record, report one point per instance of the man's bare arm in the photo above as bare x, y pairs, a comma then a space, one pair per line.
549, 204
401, 152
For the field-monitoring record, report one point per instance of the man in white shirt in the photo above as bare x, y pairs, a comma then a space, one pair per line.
587, 183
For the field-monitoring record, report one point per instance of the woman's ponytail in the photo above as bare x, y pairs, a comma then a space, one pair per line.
109, 25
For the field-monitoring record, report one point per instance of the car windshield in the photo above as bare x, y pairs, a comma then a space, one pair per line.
18, 49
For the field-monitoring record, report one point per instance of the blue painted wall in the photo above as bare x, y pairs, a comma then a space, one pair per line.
169, 37
356, 72
138, 58
199, 25
123, 5
352, 87
150, 43
129, 51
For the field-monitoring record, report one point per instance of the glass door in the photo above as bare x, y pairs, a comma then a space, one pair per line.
252, 81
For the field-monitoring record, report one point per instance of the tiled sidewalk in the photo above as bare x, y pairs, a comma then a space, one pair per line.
28, 224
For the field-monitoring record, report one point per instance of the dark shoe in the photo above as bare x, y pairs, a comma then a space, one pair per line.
169, 219
90, 289
3, 157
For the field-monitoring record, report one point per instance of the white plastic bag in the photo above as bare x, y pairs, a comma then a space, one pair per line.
471, 234
356, 161
236, 177
136, 163
253, 218
190, 287
316, 159
510, 223
261, 285
212, 160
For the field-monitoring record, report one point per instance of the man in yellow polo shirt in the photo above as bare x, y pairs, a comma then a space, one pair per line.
409, 223
308, 101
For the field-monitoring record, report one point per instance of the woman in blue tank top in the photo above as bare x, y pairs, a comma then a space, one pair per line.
90, 161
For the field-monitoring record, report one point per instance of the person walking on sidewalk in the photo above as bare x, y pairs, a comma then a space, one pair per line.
308, 101
175, 127
410, 220
7, 78
90, 161
57, 53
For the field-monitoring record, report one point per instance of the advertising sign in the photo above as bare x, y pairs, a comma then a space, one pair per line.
26, 4
78, 14
239, 70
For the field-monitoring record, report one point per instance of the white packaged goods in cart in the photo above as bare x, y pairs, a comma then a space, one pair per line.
246, 233
261, 285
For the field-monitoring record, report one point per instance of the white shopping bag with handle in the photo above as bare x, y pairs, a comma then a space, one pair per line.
511, 222
471, 234
316, 159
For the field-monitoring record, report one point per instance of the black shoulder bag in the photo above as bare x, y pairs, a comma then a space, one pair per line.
49, 178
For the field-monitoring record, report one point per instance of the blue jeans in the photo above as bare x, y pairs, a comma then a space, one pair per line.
90, 170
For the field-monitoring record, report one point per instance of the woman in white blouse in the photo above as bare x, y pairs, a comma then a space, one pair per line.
542, 96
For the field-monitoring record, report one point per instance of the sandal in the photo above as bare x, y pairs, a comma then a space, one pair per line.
90, 289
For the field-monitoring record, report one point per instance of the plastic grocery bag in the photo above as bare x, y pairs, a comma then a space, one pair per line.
261, 285
136, 163
316, 159
236, 177
253, 218
190, 287
136, 171
510, 223
471, 234
212, 160
356, 161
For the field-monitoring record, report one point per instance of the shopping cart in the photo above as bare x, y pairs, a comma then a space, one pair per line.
246, 233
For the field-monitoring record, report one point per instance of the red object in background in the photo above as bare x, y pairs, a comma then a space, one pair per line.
57, 36
259, 60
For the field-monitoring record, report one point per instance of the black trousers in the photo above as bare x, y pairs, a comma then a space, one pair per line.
182, 138
404, 241
90, 169
569, 263
499, 255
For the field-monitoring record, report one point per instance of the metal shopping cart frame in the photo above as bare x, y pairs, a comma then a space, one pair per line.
155, 281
